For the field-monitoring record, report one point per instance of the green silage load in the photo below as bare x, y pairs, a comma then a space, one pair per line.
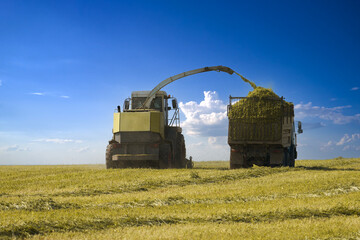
261, 103
259, 116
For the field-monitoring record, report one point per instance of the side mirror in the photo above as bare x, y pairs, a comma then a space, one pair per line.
174, 104
300, 130
126, 104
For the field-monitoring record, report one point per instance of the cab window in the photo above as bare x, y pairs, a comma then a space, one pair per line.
156, 103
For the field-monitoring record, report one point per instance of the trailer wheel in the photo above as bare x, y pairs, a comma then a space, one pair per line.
239, 160
286, 158
292, 156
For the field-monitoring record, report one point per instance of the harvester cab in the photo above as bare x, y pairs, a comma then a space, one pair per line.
161, 102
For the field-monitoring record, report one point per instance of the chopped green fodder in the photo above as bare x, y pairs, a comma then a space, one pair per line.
247, 80
259, 115
261, 103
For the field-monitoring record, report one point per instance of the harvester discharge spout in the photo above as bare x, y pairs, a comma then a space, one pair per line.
162, 84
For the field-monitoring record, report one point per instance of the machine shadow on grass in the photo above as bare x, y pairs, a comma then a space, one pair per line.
317, 168
300, 167
214, 168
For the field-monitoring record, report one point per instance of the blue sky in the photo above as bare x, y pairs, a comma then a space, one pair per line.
65, 66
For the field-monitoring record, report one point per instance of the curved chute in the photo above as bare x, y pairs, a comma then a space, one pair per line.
151, 95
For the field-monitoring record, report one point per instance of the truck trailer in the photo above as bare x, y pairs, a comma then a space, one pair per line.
259, 140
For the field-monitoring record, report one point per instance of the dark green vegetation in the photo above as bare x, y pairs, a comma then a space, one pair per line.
316, 199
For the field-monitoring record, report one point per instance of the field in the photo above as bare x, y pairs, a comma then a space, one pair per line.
318, 199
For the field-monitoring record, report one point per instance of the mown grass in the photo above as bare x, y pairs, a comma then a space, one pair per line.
315, 200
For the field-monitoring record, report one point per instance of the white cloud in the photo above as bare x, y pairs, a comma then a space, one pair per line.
205, 127
83, 149
327, 146
343, 140
355, 88
207, 148
333, 99
302, 144
346, 143
347, 139
207, 118
212, 140
57, 140
218, 142
49, 94
332, 114
38, 93
14, 148
197, 144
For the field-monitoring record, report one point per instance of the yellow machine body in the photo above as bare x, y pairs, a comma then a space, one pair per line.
151, 121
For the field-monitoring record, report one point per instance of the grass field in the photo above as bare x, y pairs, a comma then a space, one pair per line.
315, 200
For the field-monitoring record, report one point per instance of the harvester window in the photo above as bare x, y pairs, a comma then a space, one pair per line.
156, 104
137, 102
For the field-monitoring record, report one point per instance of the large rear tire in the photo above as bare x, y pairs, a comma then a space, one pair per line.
286, 158
239, 160
165, 156
292, 156
180, 152
109, 152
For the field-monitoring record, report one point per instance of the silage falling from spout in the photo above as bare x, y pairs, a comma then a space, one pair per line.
247, 80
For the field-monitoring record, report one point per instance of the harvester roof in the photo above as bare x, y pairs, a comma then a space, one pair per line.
146, 93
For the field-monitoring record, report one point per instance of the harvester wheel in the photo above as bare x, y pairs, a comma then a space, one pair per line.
180, 152
109, 152
164, 156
